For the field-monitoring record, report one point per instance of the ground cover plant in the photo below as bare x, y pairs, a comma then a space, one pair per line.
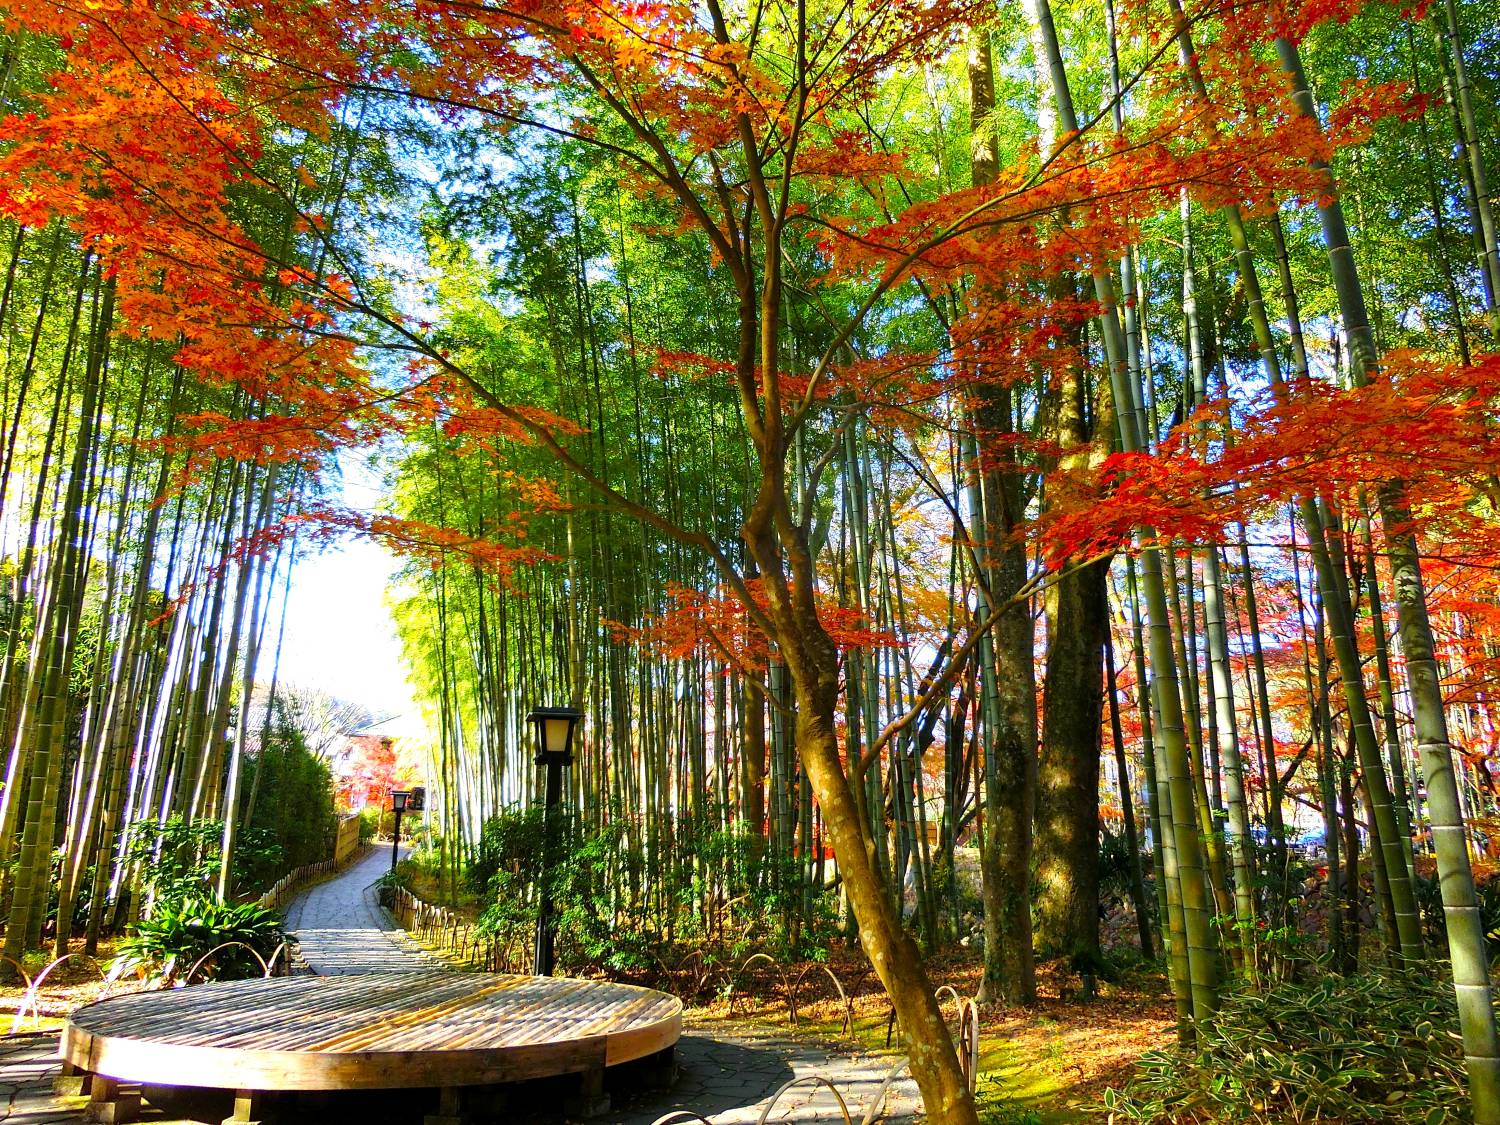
1371, 1047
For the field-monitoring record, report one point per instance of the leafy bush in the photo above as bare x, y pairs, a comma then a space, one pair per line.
179, 860
623, 894
369, 824
1368, 1048
397, 878
294, 800
166, 946
508, 866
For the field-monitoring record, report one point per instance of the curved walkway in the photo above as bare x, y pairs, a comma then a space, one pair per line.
341, 928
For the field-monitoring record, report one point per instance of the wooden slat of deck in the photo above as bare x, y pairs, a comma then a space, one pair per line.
374, 1031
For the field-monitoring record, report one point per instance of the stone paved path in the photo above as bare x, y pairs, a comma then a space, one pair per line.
729, 1070
340, 927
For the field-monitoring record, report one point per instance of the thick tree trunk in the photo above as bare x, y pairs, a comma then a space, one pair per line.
1006, 657
1067, 823
891, 950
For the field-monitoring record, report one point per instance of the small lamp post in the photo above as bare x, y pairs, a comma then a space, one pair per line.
399, 799
554, 728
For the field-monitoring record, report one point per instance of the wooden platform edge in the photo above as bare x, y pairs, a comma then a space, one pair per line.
231, 1068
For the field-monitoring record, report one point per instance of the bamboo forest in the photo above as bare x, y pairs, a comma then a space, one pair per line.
945, 556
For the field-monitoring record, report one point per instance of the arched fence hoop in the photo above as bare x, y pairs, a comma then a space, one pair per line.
284, 948
873, 1112
844, 998
198, 964
965, 1033
33, 987
968, 1042
734, 977
877, 1103
806, 1080
681, 1115
672, 974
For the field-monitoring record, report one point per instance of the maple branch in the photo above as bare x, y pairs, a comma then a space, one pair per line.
751, 678
820, 466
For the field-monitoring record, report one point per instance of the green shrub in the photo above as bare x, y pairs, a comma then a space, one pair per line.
167, 945
397, 878
179, 860
294, 800
624, 895
591, 932
369, 824
1368, 1048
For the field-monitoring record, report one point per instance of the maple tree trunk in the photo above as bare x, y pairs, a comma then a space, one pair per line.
1067, 805
1010, 798
891, 950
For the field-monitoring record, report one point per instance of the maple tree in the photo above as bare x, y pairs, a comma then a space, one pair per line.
793, 408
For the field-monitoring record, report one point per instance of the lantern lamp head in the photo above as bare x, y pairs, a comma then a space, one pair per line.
399, 799
554, 728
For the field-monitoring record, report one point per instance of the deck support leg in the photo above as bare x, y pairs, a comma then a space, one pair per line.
111, 1103
661, 1070
71, 1082
589, 1100
247, 1107
448, 1108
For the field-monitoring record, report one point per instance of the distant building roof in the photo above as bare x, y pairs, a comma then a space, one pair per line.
392, 726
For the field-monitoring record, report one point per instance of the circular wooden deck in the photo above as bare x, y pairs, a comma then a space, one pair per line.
386, 1031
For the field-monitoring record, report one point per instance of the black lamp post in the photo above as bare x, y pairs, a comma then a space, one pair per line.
554, 728
399, 799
